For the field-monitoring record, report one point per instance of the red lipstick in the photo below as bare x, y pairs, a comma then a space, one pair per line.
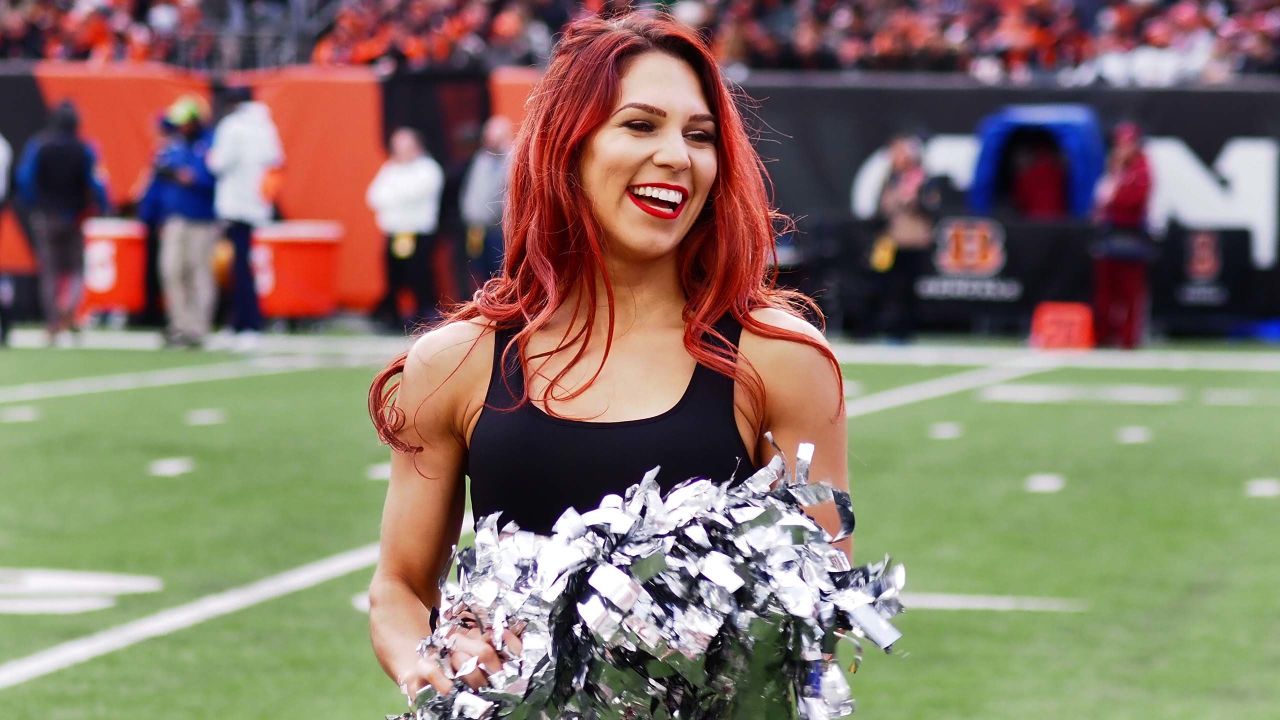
656, 211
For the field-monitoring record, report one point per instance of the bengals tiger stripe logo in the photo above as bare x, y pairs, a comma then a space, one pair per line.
970, 247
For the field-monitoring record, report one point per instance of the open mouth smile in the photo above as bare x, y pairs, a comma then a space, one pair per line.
659, 200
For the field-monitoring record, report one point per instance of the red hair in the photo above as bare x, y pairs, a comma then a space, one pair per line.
554, 244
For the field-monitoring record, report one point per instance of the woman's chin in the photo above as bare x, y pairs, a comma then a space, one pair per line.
644, 251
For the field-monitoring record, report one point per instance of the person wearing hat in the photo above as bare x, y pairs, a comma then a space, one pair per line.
245, 148
1124, 247
189, 228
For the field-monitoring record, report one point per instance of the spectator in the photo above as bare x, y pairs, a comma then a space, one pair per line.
1040, 180
405, 198
901, 253
189, 228
1124, 248
483, 194
245, 147
58, 182
6, 286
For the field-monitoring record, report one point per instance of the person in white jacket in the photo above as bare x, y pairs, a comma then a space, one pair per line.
405, 198
245, 147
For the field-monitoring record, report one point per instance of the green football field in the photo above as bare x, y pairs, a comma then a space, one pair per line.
1087, 537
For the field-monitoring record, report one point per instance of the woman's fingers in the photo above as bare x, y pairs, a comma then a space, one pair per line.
427, 672
476, 646
515, 645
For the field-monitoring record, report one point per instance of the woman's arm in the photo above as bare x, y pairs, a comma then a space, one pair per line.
803, 403
425, 498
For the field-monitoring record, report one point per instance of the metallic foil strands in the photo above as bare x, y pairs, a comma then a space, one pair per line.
711, 601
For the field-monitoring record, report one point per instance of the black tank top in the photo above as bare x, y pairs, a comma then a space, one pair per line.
532, 466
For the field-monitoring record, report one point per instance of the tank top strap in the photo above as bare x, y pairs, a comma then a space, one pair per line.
505, 384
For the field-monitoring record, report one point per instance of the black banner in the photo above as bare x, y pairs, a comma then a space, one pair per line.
1213, 151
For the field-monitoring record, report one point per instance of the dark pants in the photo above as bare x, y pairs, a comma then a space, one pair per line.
487, 263
415, 272
1119, 301
59, 247
898, 314
245, 313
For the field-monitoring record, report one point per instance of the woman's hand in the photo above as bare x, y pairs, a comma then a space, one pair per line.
471, 657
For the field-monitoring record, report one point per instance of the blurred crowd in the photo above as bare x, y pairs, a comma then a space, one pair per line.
1119, 42
173, 31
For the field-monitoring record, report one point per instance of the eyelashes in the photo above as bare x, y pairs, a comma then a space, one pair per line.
701, 136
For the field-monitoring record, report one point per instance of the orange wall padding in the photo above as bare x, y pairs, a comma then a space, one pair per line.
509, 89
330, 122
15, 256
120, 106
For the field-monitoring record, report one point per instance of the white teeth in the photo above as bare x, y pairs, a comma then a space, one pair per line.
671, 196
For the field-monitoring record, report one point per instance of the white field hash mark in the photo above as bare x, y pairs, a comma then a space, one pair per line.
205, 416
184, 616
171, 467
1045, 483
1262, 488
380, 471
19, 414
1133, 435
945, 431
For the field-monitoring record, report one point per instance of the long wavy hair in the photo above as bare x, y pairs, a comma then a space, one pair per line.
555, 246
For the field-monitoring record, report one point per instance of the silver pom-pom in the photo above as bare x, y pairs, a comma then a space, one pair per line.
713, 601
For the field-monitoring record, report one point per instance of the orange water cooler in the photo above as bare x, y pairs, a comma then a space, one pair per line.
115, 265
295, 268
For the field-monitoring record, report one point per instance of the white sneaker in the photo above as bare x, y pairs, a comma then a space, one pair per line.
248, 341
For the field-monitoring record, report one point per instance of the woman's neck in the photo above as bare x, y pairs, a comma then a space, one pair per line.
645, 297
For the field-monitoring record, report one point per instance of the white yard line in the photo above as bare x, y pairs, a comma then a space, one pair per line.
157, 378
952, 355
177, 618
943, 386
994, 603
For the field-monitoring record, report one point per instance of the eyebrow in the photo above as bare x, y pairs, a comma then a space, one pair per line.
700, 117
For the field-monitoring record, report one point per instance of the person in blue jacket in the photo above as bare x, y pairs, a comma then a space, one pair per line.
184, 190
59, 183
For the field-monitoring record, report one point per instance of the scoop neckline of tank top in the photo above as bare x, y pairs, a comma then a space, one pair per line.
684, 399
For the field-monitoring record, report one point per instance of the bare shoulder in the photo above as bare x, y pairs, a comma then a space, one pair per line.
792, 372
450, 366
452, 347
763, 349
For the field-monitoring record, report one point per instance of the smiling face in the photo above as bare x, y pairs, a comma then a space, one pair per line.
648, 169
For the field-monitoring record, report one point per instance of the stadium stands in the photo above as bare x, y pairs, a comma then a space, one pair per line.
1123, 42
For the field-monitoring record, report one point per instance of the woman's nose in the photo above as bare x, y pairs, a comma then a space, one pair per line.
673, 152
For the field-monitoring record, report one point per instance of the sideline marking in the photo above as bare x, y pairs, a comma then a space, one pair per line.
1045, 483
184, 616
1043, 394
942, 355
1262, 488
943, 386
157, 378
995, 603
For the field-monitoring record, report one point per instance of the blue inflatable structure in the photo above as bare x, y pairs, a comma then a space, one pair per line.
1078, 134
